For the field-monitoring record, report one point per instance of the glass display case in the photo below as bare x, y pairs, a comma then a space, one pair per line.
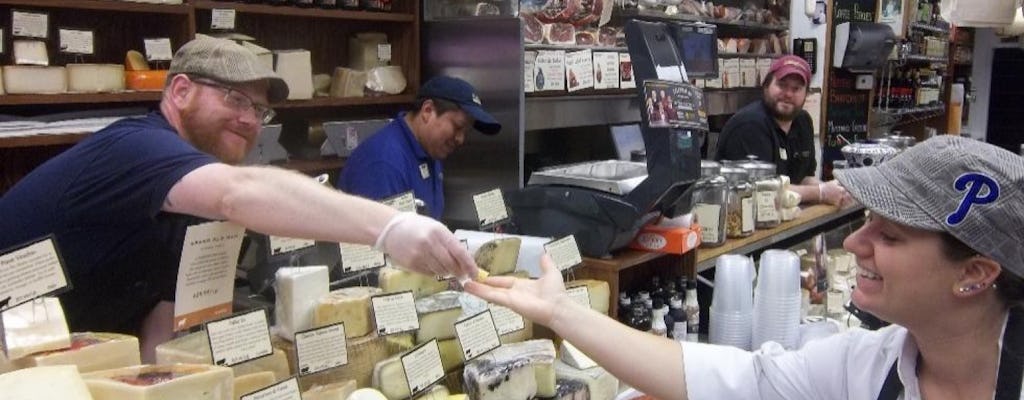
440, 10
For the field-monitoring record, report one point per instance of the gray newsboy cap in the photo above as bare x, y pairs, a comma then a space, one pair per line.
227, 62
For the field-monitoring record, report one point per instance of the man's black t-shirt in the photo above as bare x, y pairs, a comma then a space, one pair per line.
753, 131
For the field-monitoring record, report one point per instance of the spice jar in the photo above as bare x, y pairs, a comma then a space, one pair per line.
709, 206
739, 214
767, 211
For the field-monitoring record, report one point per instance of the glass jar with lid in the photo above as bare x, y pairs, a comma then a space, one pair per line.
739, 214
709, 168
767, 212
709, 208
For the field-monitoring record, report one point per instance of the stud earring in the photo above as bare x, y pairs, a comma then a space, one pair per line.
965, 289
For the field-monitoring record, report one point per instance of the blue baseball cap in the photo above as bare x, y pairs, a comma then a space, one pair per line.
462, 93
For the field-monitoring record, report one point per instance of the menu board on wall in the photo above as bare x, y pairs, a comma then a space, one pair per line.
846, 116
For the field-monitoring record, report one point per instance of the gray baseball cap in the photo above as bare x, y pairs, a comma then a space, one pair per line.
971, 189
227, 62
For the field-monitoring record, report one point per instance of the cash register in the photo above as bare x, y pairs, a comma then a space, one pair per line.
605, 203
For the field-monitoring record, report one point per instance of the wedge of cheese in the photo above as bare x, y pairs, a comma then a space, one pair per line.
162, 382
601, 384
24, 79
349, 305
333, 391
569, 354
499, 256
95, 78
600, 293
33, 327
367, 394
363, 353
194, 348
90, 351
135, 61
54, 382
451, 354
249, 383
514, 371
389, 378
298, 289
438, 313
394, 280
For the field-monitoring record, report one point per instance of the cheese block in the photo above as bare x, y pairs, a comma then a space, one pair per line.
601, 384
194, 348
366, 394
321, 84
451, 354
295, 67
30, 52
363, 353
20, 79
249, 383
387, 79
499, 256
438, 313
162, 382
36, 326
394, 280
347, 82
514, 371
600, 293
90, 351
54, 382
569, 354
298, 289
153, 80
135, 61
389, 377
95, 78
436, 392
350, 305
263, 55
333, 391
518, 336
571, 389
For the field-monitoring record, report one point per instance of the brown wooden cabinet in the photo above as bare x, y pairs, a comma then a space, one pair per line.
120, 26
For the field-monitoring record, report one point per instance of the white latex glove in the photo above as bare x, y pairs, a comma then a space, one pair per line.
833, 193
423, 245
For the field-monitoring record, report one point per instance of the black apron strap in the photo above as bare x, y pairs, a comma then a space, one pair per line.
1011, 364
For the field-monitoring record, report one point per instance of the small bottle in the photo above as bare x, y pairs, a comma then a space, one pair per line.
658, 326
692, 308
679, 331
639, 319
677, 311
666, 316
625, 303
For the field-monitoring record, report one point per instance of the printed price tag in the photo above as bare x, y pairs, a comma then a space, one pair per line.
206, 273
423, 366
477, 335
564, 252
284, 390
505, 320
222, 19
281, 244
76, 41
579, 294
404, 202
239, 338
321, 349
158, 49
30, 24
490, 208
395, 313
384, 52
31, 271
357, 257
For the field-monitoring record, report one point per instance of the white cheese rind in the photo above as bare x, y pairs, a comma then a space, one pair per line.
298, 289
23, 79
569, 354
35, 326
95, 78
54, 382
193, 382
90, 351
295, 67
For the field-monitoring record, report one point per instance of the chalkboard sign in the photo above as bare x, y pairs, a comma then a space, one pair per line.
846, 116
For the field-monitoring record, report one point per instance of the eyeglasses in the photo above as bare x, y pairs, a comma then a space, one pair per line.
240, 101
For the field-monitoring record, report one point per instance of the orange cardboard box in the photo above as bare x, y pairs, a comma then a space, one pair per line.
667, 239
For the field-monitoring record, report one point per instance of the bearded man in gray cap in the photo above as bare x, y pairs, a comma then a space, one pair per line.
118, 203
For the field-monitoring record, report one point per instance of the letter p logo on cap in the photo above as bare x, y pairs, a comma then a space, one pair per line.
973, 183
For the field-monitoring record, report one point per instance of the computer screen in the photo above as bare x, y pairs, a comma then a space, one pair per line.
698, 48
626, 139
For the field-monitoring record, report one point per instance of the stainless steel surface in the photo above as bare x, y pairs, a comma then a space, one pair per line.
488, 53
612, 176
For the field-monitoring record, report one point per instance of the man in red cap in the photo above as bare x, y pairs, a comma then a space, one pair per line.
778, 130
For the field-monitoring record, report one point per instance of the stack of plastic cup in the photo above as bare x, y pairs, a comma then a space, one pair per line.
777, 300
731, 312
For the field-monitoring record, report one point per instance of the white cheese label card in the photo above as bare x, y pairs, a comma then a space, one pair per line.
158, 49
423, 366
222, 19
490, 208
281, 244
477, 335
321, 349
239, 338
606, 70
550, 70
384, 51
506, 320
284, 390
579, 294
357, 257
564, 252
579, 70
529, 71
206, 273
30, 24
31, 271
394, 313
404, 202
76, 41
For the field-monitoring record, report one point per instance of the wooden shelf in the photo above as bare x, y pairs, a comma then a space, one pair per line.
748, 55
572, 47
306, 12
41, 140
326, 164
107, 5
347, 101
661, 16
929, 28
78, 98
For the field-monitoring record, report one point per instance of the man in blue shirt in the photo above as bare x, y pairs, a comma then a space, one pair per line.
407, 153
118, 204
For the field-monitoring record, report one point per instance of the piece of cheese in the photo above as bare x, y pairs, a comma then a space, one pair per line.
295, 67
90, 351
451, 354
600, 293
601, 384
263, 55
363, 353
54, 382
347, 82
21, 79
30, 52
389, 377
33, 327
298, 289
249, 383
95, 78
162, 382
333, 391
438, 313
135, 61
394, 280
513, 371
367, 394
194, 348
499, 256
569, 354
518, 336
350, 305
436, 392
460, 396
571, 389
145, 80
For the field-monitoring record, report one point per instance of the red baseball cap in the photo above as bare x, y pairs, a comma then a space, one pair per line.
791, 65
